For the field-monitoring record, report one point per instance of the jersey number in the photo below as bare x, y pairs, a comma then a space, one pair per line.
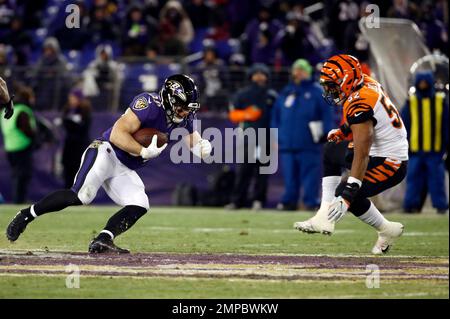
392, 112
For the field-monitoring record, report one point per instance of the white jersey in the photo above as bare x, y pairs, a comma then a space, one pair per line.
371, 102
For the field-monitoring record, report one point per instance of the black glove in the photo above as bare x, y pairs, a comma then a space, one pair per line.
9, 108
347, 191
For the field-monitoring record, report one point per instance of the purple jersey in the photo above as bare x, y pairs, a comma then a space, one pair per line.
149, 109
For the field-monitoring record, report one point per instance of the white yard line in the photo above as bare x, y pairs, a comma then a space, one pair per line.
414, 234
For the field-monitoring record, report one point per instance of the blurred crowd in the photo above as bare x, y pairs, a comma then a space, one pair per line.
215, 39
266, 31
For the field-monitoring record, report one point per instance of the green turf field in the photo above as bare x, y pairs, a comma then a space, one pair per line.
162, 265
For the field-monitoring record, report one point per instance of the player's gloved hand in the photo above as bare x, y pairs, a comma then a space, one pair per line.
335, 135
339, 134
202, 149
152, 150
338, 208
345, 194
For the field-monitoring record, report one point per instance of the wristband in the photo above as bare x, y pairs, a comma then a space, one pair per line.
345, 129
352, 180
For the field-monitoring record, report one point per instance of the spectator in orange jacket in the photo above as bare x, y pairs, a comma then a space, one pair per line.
251, 109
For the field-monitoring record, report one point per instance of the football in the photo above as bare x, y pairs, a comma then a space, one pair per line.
144, 137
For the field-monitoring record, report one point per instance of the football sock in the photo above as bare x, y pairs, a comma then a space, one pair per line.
329, 184
373, 217
122, 221
52, 203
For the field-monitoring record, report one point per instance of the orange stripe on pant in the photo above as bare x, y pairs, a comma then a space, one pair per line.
393, 163
376, 174
370, 179
385, 170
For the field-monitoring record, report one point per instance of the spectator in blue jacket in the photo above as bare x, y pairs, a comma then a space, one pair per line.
425, 116
303, 118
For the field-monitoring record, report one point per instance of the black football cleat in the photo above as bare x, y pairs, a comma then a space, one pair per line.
17, 226
102, 246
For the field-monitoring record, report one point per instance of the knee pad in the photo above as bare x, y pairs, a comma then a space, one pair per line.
87, 194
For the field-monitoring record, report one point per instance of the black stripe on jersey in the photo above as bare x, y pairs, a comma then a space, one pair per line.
358, 99
352, 107
354, 103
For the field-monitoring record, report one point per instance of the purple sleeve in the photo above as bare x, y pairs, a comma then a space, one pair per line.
144, 108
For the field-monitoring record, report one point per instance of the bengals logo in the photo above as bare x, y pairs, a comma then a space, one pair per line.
140, 104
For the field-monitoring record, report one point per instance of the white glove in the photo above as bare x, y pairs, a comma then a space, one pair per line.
152, 150
337, 209
202, 149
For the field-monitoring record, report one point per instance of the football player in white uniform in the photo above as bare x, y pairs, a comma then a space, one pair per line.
377, 155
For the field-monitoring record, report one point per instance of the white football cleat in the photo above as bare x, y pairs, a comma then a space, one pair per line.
319, 223
313, 226
386, 237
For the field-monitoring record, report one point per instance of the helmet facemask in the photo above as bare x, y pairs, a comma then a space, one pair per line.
177, 110
332, 92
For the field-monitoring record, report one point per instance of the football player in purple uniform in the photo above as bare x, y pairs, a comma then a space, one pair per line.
111, 160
